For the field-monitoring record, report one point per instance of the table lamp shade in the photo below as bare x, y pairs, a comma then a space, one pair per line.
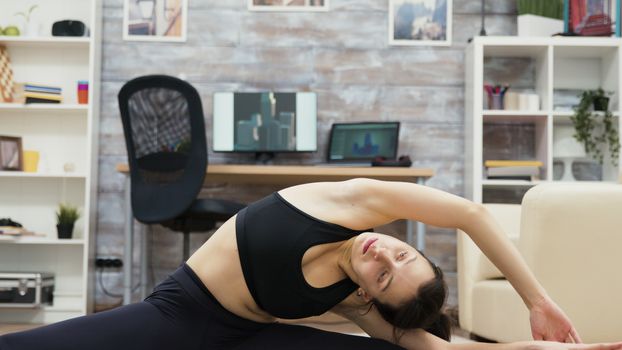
565, 145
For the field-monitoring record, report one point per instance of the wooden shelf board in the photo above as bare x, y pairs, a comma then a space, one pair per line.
43, 107
17, 174
51, 42
38, 240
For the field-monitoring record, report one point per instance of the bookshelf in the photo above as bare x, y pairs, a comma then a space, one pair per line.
556, 69
65, 135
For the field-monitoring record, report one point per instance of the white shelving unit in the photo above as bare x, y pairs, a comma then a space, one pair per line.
557, 64
62, 133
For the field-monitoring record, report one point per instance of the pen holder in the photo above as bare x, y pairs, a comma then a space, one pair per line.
495, 101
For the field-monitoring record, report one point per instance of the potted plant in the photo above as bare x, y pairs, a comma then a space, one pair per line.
66, 217
540, 17
596, 130
30, 27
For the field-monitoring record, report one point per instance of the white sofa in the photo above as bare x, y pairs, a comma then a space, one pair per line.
571, 237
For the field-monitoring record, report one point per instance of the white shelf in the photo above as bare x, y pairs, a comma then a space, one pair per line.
63, 134
18, 174
45, 42
43, 107
545, 66
517, 113
39, 240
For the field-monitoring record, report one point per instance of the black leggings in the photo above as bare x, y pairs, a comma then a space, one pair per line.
180, 314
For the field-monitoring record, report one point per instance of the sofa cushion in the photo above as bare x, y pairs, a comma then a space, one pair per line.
499, 313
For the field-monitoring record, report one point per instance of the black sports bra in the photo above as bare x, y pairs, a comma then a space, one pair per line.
272, 237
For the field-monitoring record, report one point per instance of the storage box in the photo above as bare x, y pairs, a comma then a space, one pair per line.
26, 289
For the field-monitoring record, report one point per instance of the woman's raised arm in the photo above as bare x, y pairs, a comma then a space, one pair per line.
401, 200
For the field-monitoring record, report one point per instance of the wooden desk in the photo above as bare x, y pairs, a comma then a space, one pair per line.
285, 175
297, 174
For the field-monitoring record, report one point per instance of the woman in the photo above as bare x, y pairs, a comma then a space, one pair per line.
303, 251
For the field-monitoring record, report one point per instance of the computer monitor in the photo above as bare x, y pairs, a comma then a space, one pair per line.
265, 122
362, 142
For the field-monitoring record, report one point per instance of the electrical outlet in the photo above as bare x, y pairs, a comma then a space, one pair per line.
108, 263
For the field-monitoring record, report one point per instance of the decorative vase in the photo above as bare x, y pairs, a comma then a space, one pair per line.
65, 231
601, 104
31, 29
534, 25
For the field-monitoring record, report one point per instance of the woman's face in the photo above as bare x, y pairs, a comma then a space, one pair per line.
388, 269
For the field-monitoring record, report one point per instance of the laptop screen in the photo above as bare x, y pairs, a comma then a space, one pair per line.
362, 142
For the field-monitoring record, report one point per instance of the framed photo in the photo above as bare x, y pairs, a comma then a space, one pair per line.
288, 5
11, 154
155, 20
420, 22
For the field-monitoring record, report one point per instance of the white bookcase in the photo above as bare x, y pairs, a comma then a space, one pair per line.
62, 133
555, 65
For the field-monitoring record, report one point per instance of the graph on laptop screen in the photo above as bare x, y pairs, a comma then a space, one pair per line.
265, 122
355, 142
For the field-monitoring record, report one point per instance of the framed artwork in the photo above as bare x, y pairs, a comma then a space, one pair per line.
288, 5
155, 20
11, 154
420, 22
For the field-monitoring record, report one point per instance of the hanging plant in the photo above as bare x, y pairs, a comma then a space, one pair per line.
592, 133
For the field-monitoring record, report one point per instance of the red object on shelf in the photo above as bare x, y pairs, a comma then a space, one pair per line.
590, 17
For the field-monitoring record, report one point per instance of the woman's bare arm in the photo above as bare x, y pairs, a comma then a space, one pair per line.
401, 200
374, 325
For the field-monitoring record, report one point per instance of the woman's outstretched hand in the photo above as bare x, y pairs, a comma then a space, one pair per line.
548, 322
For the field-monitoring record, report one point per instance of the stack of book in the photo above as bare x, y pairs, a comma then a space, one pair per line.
42, 94
513, 169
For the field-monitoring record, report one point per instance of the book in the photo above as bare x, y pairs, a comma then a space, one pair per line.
522, 178
43, 96
39, 100
513, 171
43, 90
511, 163
28, 86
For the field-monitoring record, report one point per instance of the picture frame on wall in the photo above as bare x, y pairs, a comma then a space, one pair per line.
288, 5
155, 20
11, 153
420, 22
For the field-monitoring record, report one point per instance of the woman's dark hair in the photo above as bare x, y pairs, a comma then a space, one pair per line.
423, 311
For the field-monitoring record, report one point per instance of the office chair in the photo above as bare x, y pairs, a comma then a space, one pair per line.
167, 151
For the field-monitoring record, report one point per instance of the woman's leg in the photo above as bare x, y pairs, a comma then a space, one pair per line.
136, 327
284, 336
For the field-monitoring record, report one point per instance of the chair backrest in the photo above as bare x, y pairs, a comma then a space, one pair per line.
571, 237
166, 145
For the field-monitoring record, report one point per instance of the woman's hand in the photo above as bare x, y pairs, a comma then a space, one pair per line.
548, 322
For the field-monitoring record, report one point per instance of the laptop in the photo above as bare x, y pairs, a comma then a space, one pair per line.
357, 144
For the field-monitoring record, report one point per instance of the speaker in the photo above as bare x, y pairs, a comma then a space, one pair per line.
69, 28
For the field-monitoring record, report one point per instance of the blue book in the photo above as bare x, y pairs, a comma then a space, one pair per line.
41, 88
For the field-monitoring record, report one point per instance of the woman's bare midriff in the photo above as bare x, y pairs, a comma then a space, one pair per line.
218, 265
